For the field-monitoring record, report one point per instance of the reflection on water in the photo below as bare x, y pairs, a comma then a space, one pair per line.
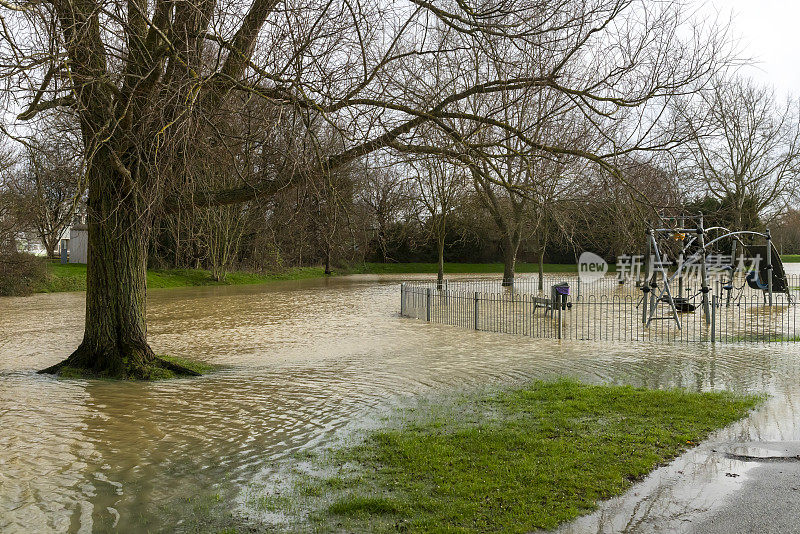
305, 362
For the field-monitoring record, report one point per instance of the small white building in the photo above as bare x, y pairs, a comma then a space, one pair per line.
30, 243
78, 243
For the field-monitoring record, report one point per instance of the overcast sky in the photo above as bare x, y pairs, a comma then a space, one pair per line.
769, 33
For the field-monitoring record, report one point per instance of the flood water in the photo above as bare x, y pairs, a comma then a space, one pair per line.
304, 363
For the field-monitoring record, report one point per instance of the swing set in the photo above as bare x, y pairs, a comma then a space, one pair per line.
686, 237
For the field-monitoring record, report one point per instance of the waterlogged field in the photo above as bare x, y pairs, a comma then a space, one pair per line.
304, 365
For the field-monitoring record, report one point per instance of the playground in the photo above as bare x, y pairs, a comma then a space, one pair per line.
690, 283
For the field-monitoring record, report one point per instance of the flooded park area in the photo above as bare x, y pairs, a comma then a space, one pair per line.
303, 364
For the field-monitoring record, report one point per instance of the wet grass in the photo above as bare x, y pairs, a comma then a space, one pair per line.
193, 365
460, 268
151, 372
72, 276
526, 459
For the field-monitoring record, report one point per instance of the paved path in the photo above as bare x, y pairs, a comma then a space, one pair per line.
721, 487
769, 499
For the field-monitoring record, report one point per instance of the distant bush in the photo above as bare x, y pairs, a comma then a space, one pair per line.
20, 273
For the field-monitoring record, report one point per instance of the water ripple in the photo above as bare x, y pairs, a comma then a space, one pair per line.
305, 363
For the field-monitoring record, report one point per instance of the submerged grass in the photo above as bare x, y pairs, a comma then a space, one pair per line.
152, 372
521, 460
193, 365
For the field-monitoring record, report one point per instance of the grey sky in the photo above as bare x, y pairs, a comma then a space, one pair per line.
768, 33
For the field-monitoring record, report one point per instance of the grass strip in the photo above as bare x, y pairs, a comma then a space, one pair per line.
72, 276
525, 459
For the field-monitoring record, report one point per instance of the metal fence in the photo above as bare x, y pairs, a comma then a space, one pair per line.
604, 310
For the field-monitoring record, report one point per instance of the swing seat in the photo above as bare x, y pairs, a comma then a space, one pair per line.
682, 305
754, 282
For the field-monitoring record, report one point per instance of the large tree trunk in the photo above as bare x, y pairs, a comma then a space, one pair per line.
509, 260
50, 245
115, 333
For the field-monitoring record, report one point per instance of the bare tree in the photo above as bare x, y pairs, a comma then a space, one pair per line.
48, 186
8, 223
439, 184
519, 184
386, 198
746, 149
786, 232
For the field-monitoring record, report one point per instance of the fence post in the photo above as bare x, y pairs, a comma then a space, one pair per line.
769, 267
476, 310
714, 300
428, 305
560, 316
402, 299
578, 291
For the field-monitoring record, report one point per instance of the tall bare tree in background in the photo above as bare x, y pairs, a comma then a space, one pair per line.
155, 83
8, 223
439, 185
47, 185
387, 199
746, 149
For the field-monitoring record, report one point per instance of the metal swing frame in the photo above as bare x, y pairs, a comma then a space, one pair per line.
666, 294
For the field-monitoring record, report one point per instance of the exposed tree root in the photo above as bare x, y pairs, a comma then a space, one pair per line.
136, 365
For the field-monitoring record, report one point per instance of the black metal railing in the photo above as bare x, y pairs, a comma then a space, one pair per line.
607, 310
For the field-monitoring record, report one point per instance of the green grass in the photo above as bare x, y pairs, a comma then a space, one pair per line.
63, 277
192, 365
72, 276
460, 268
152, 372
521, 460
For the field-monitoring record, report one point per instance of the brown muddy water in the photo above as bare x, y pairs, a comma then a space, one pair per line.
305, 363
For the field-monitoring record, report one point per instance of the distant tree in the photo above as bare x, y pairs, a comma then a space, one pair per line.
386, 196
608, 219
439, 184
48, 186
786, 232
8, 222
745, 150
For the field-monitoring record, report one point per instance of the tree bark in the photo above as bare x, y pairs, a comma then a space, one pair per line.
510, 260
49, 246
115, 332
541, 269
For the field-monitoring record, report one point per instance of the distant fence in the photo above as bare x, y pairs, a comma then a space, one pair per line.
603, 310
